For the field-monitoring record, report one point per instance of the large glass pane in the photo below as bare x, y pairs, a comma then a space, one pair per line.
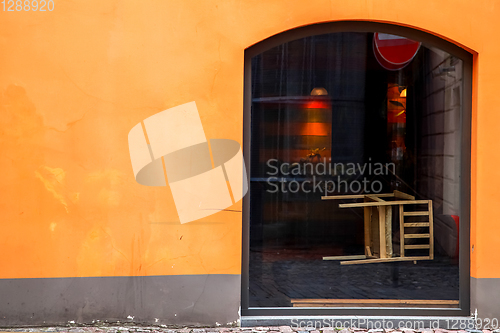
334, 115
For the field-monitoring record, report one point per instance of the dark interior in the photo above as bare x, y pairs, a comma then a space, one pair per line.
327, 100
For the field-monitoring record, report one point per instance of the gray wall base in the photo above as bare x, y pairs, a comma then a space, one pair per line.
177, 299
485, 298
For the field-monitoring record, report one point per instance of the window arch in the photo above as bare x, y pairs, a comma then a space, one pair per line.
324, 103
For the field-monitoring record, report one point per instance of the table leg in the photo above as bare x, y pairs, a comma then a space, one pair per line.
388, 231
381, 225
367, 211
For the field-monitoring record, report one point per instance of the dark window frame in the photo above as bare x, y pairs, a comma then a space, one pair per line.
465, 186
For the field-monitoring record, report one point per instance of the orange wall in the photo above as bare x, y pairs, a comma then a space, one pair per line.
74, 81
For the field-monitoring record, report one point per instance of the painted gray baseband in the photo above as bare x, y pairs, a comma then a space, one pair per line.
176, 299
485, 297
374, 322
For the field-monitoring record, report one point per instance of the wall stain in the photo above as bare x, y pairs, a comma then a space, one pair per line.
53, 180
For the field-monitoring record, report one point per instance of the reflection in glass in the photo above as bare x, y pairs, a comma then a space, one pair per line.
328, 119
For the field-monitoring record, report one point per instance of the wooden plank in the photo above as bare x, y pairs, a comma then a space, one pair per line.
431, 231
374, 305
417, 246
422, 213
417, 236
355, 196
374, 301
401, 231
388, 231
353, 257
368, 251
381, 260
385, 203
381, 225
367, 213
416, 224
374, 231
374, 198
402, 195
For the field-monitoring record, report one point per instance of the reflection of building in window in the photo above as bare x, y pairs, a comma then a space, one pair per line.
327, 97
439, 157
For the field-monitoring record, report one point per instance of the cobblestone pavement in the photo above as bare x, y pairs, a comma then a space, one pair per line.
274, 329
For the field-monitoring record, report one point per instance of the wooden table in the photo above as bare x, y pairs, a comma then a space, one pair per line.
378, 227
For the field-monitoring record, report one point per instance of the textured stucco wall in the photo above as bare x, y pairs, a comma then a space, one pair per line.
75, 80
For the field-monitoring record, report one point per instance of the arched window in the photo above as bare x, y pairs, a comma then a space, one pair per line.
357, 140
